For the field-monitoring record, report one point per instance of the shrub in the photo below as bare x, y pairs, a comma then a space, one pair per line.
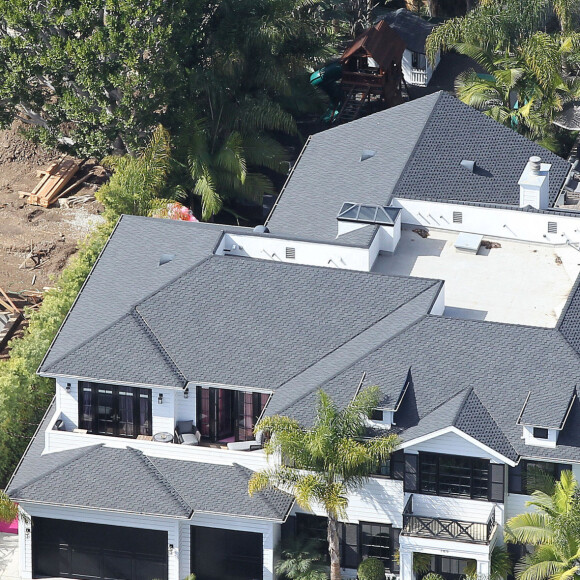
371, 569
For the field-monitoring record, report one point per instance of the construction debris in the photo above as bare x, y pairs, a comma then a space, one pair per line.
10, 318
421, 232
53, 181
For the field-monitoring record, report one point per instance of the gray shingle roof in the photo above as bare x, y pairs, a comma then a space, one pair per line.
419, 148
128, 271
245, 322
569, 323
475, 375
456, 131
223, 489
413, 29
534, 413
330, 172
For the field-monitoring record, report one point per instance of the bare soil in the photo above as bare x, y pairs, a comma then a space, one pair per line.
51, 235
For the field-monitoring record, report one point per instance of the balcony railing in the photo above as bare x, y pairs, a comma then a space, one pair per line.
447, 529
418, 77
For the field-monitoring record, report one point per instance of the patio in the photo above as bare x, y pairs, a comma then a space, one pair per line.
520, 283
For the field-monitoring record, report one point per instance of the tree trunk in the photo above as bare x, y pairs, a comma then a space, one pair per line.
333, 548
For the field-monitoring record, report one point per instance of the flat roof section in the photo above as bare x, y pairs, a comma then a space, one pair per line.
519, 283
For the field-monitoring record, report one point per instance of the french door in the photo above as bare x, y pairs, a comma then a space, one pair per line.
114, 410
225, 413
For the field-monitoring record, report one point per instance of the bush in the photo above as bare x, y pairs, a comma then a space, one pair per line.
371, 569
433, 576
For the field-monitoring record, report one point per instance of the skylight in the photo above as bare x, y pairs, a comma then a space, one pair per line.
369, 214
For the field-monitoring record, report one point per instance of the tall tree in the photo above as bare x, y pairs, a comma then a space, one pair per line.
326, 462
96, 72
553, 529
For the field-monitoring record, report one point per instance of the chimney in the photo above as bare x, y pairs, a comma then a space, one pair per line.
535, 184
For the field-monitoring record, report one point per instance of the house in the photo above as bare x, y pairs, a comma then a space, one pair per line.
184, 334
414, 31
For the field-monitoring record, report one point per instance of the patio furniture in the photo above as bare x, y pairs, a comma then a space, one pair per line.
186, 433
252, 445
163, 437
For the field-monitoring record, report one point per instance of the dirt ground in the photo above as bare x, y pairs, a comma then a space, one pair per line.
50, 234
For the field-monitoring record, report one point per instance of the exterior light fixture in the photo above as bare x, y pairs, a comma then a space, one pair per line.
68, 387
186, 393
160, 399
171, 548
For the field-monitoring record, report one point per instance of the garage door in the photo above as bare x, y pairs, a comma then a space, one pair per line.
226, 554
92, 551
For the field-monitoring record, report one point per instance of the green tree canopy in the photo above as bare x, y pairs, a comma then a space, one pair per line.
326, 462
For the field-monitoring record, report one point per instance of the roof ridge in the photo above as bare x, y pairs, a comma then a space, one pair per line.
442, 404
356, 336
417, 143
91, 449
469, 392
156, 472
264, 496
154, 338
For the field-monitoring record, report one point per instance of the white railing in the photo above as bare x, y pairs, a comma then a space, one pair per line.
56, 441
418, 77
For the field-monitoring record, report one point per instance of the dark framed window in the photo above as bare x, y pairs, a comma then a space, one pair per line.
377, 415
357, 541
375, 542
415, 60
453, 475
393, 467
115, 410
540, 433
527, 476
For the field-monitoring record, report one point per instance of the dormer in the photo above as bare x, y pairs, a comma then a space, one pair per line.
543, 420
384, 415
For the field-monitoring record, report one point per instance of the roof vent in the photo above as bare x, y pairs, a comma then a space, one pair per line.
166, 258
469, 165
535, 164
367, 154
261, 230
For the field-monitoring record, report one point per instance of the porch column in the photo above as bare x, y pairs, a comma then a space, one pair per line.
406, 564
483, 568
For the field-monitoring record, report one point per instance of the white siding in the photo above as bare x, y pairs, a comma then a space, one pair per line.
185, 408
467, 510
450, 444
164, 414
67, 402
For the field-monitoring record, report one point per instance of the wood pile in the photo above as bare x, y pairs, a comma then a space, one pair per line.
10, 318
53, 182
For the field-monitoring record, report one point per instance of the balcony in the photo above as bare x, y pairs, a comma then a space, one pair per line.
58, 438
419, 77
425, 526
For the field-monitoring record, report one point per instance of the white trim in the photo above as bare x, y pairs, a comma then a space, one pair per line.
111, 382
463, 435
245, 389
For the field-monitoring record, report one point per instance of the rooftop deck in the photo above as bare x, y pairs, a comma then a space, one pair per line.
517, 283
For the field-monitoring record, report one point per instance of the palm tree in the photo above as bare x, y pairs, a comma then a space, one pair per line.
501, 25
254, 56
554, 531
326, 462
138, 182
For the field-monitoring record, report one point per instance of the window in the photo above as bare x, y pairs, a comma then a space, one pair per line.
113, 410
540, 433
453, 475
357, 541
377, 415
375, 542
394, 466
528, 476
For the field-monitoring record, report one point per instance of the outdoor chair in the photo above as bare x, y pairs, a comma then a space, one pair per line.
252, 445
186, 433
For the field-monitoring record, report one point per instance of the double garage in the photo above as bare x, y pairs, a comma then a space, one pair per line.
68, 549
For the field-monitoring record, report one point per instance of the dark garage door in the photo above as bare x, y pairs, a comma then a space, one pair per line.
220, 554
92, 551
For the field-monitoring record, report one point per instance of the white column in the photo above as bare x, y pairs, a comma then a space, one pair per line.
173, 552
483, 569
406, 564
270, 539
25, 546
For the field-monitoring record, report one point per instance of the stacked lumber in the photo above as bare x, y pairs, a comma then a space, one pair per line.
52, 183
10, 318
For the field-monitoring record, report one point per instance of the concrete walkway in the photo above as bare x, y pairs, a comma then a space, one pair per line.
9, 557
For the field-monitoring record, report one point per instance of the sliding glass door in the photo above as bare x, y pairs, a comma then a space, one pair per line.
113, 410
226, 414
